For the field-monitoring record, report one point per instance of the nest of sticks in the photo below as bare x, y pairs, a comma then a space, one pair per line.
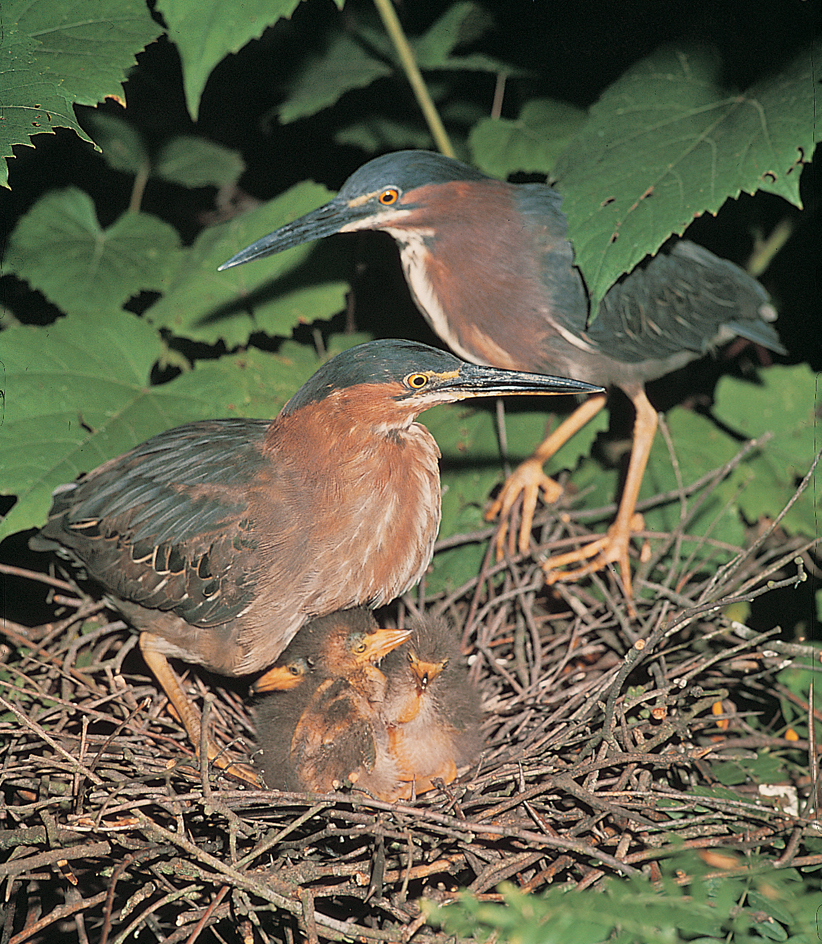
603, 734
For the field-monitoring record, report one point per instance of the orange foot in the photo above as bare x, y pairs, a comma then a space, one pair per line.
611, 548
527, 480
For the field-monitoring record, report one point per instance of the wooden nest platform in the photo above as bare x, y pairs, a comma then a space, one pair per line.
613, 741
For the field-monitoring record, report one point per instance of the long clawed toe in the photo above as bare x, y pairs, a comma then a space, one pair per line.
611, 548
529, 481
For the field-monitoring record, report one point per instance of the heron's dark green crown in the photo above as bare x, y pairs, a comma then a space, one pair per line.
375, 362
406, 170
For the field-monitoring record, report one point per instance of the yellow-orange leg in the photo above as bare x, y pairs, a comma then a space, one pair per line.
159, 665
528, 479
613, 546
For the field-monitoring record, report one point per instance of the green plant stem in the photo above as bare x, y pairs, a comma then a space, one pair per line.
394, 29
766, 249
140, 182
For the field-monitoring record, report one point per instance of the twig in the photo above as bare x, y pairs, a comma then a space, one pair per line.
409, 63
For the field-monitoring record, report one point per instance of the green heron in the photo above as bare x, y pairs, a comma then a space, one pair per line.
322, 727
432, 709
218, 540
489, 266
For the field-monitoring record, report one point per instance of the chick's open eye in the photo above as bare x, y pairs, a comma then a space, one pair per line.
389, 196
416, 381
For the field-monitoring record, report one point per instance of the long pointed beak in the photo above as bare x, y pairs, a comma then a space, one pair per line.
381, 642
477, 380
334, 217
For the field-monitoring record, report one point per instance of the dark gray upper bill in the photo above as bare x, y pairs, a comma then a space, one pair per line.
324, 221
494, 381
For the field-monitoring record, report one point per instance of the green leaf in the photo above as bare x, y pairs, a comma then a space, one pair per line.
59, 55
206, 32
376, 134
706, 909
718, 793
700, 446
797, 679
783, 403
265, 295
195, 162
252, 383
88, 44
668, 142
356, 59
187, 159
768, 906
532, 143
67, 410
121, 142
462, 23
730, 774
60, 249
344, 65
472, 465
768, 928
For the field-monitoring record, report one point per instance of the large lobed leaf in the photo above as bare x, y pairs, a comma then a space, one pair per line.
207, 305
60, 249
530, 143
785, 403
57, 55
192, 161
344, 65
78, 393
667, 142
205, 32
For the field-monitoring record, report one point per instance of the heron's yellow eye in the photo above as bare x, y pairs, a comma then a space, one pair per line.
389, 196
359, 646
417, 381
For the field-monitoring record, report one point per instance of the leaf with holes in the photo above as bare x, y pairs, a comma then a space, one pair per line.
668, 142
